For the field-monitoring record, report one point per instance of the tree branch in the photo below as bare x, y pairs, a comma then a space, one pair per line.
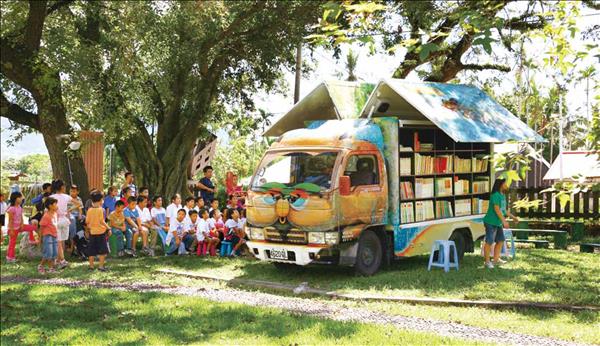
481, 67
17, 114
35, 23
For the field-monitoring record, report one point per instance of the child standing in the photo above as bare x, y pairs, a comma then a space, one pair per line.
48, 228
15, 225
3, 207
58, 188
99, 231
116, 220
75, 210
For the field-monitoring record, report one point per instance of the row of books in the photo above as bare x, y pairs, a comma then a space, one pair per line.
443, 209
461, 187
481, 185
443, 187
462, 165
480, 206
406, 190
407, 212
424, 187
480, 164
423, 210
405, 166
462, 207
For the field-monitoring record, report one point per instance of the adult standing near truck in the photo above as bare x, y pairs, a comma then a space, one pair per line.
206, 186
495, 222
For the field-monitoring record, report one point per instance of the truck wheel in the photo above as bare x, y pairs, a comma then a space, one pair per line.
368, 256
459, 240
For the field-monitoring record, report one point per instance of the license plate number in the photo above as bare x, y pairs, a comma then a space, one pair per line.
279, 254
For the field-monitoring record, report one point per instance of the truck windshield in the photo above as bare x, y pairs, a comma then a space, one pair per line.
292, 168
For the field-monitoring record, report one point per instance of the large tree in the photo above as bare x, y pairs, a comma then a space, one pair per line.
157, 76
33, 84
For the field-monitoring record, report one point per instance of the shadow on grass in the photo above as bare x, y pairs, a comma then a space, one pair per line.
43, 314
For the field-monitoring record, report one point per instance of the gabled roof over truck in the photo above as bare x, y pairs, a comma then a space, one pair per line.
330, 100
463, 112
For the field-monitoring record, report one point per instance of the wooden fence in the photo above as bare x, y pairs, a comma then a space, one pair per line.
581, 206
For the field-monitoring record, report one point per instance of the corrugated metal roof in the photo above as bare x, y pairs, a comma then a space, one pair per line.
575, 163
464, 112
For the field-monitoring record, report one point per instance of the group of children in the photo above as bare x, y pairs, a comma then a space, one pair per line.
61, 218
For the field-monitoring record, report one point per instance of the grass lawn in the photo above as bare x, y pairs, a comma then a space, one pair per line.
59, 315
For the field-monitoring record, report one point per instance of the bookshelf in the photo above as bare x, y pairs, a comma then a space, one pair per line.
440, 178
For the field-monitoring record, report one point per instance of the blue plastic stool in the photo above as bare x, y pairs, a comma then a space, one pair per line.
225, 248
509, 236
443, 261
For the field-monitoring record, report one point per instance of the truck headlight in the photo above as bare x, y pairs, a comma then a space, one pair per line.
331, 238
316, 237
256, 234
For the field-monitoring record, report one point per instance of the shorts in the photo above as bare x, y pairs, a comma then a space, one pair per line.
49, 247
493, 234
62, 230
97, 245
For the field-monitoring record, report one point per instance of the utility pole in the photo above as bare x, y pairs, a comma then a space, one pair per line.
560, 135
298, 72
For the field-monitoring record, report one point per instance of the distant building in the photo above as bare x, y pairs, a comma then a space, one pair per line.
569, 165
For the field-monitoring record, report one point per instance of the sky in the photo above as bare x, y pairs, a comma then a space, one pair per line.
370, 68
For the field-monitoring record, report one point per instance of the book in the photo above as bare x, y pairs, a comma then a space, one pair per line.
406, 212
462, 207
424, 210
480, 164
443, 209
462, 165
423, 187
404, 149
480, 206
405, 166
443, 187
423, 164
406, 190
416, 144
461, 187
425, 146
481, 185
443, 164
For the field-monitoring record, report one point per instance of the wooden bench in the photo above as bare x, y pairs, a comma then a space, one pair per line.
588, 247
539, 244
560, 237
577, 227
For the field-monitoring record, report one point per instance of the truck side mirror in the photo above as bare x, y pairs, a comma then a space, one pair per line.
344, 185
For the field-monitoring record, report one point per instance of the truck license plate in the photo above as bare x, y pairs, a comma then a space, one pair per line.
279, 254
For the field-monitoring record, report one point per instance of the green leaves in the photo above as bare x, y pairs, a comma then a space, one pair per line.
427, 49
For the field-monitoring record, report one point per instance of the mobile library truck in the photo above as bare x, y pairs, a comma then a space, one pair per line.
361, 174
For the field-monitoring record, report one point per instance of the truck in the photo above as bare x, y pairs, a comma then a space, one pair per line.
361, 188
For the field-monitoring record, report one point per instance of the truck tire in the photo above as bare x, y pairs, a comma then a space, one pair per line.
459, 239
369, 254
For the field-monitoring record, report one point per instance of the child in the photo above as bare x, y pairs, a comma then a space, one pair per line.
214, 205
110, 201
189, 205
177, 234
145, 192
493, 221
232, 202
59, 189
146, 223
231, 229
3, 207
48, 226
99, 231
159, 219
199, 204
75, 210
211, 238
195, 228
134, 227
238, 236
125, 194
16, 225
116, 220
173, 208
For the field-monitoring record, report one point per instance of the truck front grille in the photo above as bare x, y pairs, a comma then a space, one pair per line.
293, 236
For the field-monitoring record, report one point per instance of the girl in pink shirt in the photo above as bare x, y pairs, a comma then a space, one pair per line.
15, 225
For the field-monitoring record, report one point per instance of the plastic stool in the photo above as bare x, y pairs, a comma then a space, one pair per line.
443, 261
112, 244
201, 249
508, 235
225, 248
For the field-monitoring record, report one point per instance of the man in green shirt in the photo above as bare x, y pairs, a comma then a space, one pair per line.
494, 222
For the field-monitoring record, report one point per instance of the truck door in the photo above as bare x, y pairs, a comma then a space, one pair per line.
367, 200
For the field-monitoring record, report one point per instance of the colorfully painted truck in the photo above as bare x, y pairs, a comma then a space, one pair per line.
381, 173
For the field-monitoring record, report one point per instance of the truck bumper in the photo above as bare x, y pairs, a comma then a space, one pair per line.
297, 254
